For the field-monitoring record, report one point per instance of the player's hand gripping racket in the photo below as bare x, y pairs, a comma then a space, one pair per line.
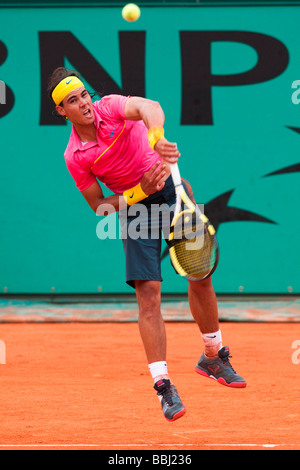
192, 241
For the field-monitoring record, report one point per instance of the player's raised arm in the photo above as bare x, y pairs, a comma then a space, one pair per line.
152, 114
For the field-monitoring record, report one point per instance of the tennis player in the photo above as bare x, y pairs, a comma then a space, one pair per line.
119, 142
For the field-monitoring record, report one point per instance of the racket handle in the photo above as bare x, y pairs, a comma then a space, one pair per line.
175, 174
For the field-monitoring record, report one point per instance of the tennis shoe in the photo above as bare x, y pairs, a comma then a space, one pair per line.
220, 369
171, 404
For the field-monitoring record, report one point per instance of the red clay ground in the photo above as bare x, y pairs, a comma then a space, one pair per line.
87, 386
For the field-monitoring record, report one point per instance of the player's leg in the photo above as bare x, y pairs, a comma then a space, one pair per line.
203, 304
153, 334
214, 362
151, 324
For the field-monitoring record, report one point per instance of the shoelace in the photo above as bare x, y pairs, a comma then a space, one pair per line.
167, 395
227, 362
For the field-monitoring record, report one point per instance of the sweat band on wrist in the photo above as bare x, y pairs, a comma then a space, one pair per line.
134, 195
154, 135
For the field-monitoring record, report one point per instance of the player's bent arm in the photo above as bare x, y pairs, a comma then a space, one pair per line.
153, 180
149, 111
100, 204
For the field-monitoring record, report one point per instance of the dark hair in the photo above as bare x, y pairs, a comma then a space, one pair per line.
57, 76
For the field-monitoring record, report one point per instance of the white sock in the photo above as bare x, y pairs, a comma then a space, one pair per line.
212, 343
158, 370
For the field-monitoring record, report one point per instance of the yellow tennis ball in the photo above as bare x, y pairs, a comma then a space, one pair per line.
131, 12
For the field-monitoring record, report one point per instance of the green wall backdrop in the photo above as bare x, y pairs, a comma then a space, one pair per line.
227, 80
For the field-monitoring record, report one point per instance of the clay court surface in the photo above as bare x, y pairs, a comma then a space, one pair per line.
87, 386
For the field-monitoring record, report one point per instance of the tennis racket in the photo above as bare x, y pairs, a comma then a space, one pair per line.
192, 240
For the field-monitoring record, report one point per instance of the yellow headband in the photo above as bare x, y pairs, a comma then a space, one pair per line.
64, 87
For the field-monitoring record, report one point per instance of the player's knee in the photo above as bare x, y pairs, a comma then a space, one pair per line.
148, 296
200, 286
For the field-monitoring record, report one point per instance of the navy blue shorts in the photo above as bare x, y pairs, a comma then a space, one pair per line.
144, 227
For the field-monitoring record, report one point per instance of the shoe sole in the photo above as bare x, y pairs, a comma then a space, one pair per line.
177, 415
221, 380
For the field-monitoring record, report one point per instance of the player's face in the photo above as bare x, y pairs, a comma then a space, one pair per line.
77, 106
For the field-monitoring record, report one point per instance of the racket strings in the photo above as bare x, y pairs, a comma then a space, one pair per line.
196, 262
194, 249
